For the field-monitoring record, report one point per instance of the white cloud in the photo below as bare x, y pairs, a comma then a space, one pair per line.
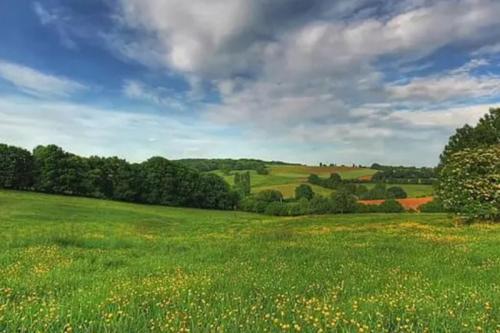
90, 130
162, 97
451, 118
37, 83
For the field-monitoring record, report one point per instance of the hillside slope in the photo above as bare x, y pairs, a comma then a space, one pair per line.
89, 266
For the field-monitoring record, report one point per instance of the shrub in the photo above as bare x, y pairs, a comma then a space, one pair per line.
262, 170
300, 207
304, 191
435, 206
390, 206
320, 205
277, 208
344, 202
396, 192
269, 196
469, 183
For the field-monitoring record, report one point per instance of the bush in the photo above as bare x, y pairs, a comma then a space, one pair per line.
344, 202
435, 206
390, 206
269, 196
320, 205
304, 191
396, 192
277, 209
300, 207
469, 183
262, 170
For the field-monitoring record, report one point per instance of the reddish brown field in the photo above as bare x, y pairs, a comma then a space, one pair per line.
409, 203
365, 178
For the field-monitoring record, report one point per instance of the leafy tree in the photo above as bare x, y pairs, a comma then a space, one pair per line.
396, 192
277, 209
470, 181
242, 183
378, 192
262, 170
269, 196
16, 167
320, 205
301, 207
304, 191
314, 179
59, 172
390, 206
484, 134
344, 202
435, 206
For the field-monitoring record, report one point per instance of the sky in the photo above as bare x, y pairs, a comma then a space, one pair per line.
308, 81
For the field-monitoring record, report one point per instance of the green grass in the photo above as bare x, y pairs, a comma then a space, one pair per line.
285, 178
413, 190
102, 266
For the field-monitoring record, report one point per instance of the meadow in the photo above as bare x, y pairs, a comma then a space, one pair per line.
71, 264
285, 178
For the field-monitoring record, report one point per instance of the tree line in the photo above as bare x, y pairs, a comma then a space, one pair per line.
50, 169
228, 164
362, 192
403, 175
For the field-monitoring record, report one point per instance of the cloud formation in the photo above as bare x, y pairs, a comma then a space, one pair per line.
38, 83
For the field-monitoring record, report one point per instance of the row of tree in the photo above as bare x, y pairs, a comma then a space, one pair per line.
362, 192
271, 202
403, 175
156, 181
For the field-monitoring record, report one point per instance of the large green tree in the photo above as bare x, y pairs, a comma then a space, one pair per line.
469, 170
16, 167
484, 134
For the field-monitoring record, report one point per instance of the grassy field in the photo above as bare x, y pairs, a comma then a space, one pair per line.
285, 178
413, 190
83, 265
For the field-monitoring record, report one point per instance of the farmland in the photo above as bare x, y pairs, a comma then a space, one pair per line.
86, 265
285, 178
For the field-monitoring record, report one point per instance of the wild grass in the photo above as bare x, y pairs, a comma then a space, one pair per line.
72, 264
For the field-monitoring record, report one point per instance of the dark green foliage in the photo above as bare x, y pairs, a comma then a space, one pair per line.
320, 205
156, 181
396, 192
361, 190
378, 192
16, 168
269, 196
242, 183
262, 170
403, 175
344, 202
304, 191
59, 172
301, 207
485, 133
331, 182
277, 209
435, 206
390, 206
205, 165
259, 202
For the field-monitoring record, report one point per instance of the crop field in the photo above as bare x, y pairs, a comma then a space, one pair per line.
71, 264
285, 178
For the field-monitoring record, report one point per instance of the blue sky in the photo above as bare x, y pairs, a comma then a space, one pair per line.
347, 81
